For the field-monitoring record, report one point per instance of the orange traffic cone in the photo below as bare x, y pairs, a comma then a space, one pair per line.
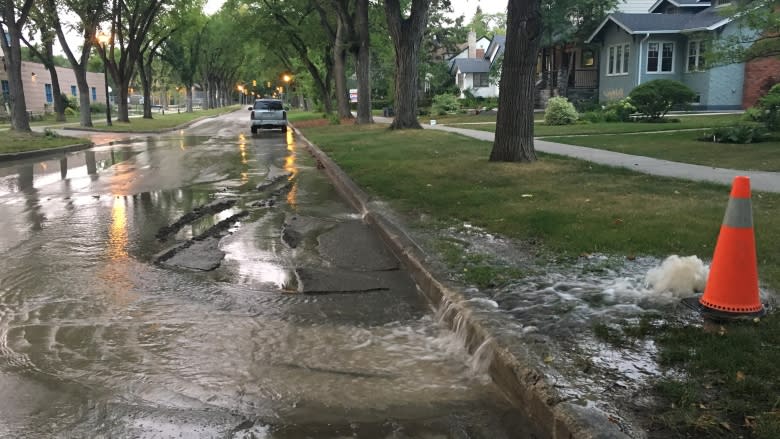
732, 287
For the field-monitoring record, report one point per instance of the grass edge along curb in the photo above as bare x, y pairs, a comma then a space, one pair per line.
520, 377
8, 156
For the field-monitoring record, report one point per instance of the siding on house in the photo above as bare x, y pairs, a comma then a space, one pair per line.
719, 88
34, 80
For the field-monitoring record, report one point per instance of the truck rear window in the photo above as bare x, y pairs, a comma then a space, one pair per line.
268, 105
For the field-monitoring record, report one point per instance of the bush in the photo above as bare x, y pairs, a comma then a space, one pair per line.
593, 117
769, 104
560, 112
68, 102
97, 107
444, 104
753, 114
619, 111
741, 133
70, 111
655, 98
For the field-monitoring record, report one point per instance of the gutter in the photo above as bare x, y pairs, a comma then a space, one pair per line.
639, 72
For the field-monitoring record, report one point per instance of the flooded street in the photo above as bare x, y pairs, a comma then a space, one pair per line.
211, 283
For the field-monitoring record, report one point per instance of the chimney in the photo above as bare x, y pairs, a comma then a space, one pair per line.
472, 44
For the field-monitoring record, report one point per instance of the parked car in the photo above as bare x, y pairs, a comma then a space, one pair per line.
268, 113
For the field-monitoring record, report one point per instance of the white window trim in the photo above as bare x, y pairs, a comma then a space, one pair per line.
617, 68
660, 57
699, 57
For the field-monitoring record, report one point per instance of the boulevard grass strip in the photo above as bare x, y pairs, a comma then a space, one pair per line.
570, 207
14, 141
159, 121
685, 147
585, 128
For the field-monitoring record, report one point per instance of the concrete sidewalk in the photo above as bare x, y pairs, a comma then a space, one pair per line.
760, 180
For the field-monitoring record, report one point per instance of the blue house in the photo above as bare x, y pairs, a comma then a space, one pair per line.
669, 42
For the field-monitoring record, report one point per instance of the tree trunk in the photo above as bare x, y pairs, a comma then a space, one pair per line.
363, 67
339, 71
189, 99
20, 120
514, 139
59, 106
565, 74
145, 73
407, 36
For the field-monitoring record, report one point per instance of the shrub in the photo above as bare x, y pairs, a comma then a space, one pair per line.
655, 98
770, 107
69, 102
70, 111
334, 119
560, 112
444, 104
593, 116
753, 114
742, 133
619, 111
97, 107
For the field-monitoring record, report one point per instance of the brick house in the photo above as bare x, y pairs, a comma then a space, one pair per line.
38, 90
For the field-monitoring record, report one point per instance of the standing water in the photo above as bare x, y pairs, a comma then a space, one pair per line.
109, 327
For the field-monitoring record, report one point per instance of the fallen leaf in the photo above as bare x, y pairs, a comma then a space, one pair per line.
549, 359
750, 422
740, 376
618, 221
725, 425
527, 195
702, 406
722, 330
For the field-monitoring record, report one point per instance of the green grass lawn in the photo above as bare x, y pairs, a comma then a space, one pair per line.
11, 141
567, 207
581, 128
160, 122
684, 147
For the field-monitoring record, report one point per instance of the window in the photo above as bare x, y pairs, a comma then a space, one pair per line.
94, 94
73, 90
481, 80
696, 60
49, 94
721, 2
6, 89
269, 105
660, 58
587, 59
617, 63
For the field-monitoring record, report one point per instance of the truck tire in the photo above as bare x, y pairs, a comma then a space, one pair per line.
254, 130
284, 128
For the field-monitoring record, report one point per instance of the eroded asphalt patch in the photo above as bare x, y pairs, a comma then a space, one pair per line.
335, 257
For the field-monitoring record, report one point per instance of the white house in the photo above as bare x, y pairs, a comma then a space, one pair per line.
471, 67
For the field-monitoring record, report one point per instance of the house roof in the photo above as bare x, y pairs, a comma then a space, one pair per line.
681, 4
499, 42
470, 65
708, 19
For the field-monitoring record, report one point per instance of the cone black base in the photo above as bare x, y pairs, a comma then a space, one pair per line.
721, 316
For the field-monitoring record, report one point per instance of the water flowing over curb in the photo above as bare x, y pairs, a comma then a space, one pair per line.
518, 372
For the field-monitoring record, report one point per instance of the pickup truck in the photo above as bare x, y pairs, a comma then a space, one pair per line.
268, 113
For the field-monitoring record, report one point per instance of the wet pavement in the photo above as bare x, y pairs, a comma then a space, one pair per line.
210, 283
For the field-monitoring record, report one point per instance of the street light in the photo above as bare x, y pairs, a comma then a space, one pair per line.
104, 38
286, 89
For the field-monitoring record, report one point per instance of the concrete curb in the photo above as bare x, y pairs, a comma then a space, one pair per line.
42, 152
517, 372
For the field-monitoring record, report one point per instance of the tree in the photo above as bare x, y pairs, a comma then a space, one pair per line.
514, 139
41, 21
182, 51
406, 34
363, 62
14, 20
759, 35
90, 14
131, 23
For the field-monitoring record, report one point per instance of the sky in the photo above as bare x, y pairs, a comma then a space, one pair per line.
460, 7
